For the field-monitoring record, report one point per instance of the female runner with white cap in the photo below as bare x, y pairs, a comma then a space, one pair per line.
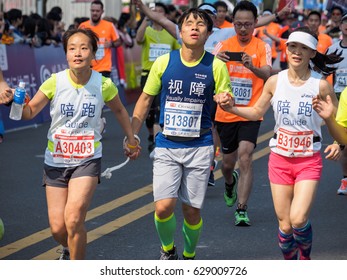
295, 163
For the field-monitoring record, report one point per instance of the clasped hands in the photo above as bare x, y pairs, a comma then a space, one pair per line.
224, 100
132, 150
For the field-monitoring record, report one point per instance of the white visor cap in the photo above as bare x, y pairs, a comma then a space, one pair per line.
303, 38
208, 7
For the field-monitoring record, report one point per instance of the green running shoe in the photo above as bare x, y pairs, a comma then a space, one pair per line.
230, 194
241, 218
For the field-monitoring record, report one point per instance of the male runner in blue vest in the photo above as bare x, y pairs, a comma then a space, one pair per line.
186, 79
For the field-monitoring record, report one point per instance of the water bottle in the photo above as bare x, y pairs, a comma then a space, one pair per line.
18, 101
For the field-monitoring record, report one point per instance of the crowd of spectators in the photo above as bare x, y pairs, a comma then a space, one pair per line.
32, 29
36, 30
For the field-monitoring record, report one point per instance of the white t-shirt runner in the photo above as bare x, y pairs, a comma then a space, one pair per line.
74, 135
297, 126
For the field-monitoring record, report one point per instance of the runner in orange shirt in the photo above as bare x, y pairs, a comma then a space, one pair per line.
238, 135
108, 38
272, 28
314, 20
222, 10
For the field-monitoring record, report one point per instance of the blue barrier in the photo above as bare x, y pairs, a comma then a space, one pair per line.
34, 66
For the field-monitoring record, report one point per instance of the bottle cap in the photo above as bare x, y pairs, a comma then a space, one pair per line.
22, 84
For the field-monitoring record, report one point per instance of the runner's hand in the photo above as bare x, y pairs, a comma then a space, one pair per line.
287, 9
222, 56
6, 96
247, 61
132, 150
224, 100
324, 108
333, 152
133, 153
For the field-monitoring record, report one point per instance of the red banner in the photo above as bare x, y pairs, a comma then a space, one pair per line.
283, 3
181, 2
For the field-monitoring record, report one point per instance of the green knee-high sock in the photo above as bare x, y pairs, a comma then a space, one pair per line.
166, 229
191, 235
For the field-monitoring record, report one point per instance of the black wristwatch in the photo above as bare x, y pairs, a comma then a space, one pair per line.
340, 145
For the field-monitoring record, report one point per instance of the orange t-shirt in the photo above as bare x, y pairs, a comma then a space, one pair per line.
322, 28
273, 29
246, 86
226, 24
324, 42
106, 31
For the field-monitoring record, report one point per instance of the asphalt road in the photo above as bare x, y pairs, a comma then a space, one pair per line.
120, 220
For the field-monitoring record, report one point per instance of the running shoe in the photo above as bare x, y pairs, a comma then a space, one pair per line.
241, 218
230, 194
171, 255
343, 187
211, 178
65, 254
